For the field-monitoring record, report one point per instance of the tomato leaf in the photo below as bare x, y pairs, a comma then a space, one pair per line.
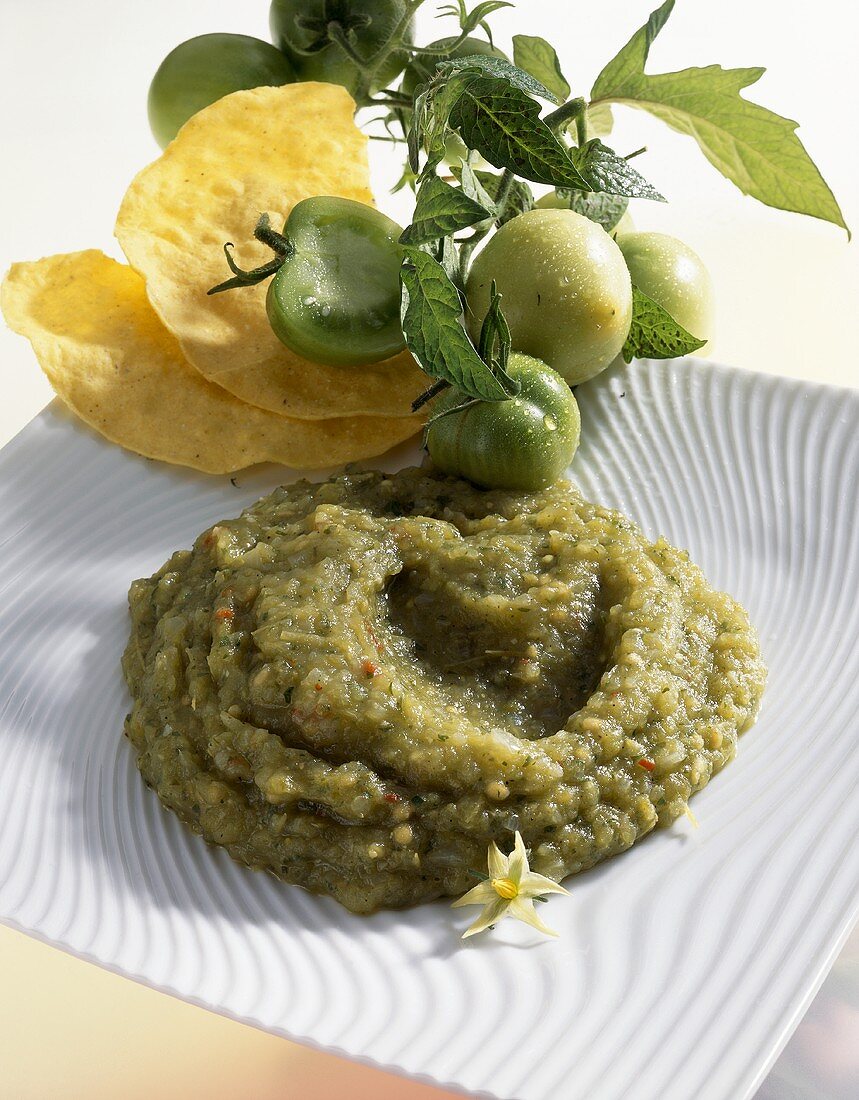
495, 333
654, 334
430, 122
537, 57
432, 325
753, 147
472, 185
448, 257
500, 69
520, 198
600, 120
502, 123
441, 210
604, 209
604, 170
414, 136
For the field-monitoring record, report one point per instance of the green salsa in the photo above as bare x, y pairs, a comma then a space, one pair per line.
358, 684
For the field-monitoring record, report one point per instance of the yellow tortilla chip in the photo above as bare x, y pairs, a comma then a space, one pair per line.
253, 152
113, 363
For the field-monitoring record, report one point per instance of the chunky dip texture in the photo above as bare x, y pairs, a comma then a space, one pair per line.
359, 684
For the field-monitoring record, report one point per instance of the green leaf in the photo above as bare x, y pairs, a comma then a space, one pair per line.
606, 210
654, 334
600, 120
502, 123
537, 57
604, 170
432, 325
473, 186
414, 136
520, 198
441, 210
495, 333
498, 67
430, 123
447, 255
753, 147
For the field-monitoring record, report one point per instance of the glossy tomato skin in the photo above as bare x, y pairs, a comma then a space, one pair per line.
331, 64
565, 290
525, 442
336, 298
205, 69
669, 272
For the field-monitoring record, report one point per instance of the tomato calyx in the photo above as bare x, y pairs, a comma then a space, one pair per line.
281, 245
336, 21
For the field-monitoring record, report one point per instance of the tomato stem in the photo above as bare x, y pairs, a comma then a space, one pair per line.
434, 390
337, 34
572, 109
439, 51
282, 247
279, 244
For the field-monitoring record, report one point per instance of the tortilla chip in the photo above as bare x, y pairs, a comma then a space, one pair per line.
113, 363
252, 152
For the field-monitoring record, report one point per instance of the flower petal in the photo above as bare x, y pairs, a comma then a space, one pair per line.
493, 913
517, 864
481, 894
523, 909
497, 862
532, 885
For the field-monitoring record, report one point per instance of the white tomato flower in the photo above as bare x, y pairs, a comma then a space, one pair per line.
509, 891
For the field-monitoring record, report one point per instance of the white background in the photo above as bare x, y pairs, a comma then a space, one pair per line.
73, 131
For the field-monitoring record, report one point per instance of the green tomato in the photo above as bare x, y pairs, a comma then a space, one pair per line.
205, 69
674, 276
525, 442
565, 290
424, 66
331, 64
336, 297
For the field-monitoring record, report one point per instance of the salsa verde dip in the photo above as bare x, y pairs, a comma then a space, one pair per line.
358, 685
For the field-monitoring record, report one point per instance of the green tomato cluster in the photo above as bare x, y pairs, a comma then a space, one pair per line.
566, 287
566, 292
206, 68
565, 284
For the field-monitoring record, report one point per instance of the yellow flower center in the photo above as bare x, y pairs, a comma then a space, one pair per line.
505, 888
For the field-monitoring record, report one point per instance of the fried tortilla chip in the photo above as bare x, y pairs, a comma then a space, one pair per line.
113, 363
253, 152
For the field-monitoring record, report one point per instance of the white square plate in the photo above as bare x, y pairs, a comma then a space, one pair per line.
682, 966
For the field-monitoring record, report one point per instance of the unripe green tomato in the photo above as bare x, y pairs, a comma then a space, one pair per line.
336, 297
525, 442
205, 69
669, 272
565, 290
330, 64
552, 201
